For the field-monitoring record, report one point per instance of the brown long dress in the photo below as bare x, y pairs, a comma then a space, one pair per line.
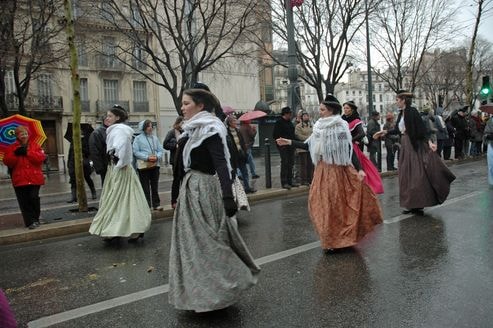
424, 180
343, 209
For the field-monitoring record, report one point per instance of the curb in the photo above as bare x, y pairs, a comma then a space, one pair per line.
20, 235
57, 229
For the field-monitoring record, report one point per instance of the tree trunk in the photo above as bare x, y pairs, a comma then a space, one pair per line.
470, 59
76, 135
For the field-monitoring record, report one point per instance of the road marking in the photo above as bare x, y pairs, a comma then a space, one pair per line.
447, 202
137, 296
163, 289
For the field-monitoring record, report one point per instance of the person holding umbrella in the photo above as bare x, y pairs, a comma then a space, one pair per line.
24, 159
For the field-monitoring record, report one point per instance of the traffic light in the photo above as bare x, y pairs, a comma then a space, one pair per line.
485, 92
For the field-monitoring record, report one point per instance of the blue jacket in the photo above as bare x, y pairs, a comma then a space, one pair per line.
145, 145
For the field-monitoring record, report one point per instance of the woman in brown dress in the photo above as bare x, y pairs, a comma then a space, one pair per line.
424, 180
342, 207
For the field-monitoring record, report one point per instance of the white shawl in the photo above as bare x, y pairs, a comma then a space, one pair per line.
119, 140
198, 128
331, 141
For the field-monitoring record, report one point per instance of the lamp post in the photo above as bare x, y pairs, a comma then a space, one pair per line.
368, 62
293, 89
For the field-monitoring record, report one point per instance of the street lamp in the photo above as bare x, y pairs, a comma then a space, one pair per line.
368, 61
293, 89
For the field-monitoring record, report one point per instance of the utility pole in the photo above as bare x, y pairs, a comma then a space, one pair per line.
294, 90
368, 62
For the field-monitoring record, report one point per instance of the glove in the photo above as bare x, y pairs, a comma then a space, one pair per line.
21, 151
230, 206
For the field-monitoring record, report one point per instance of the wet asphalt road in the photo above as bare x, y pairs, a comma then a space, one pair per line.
431, 271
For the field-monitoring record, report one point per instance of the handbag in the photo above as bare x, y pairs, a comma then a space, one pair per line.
239, 195
145, 165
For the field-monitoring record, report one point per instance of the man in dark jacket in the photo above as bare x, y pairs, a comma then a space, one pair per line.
459, 122
97, 151
284, 128
374, 145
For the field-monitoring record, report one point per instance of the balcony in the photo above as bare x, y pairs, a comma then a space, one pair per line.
141, 106
109, 63
104, 105
85, 106
36, 103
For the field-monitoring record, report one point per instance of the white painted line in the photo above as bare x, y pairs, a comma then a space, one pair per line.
133, 297
447, 202
137, 296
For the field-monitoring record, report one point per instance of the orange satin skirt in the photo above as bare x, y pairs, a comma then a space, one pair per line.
343, 209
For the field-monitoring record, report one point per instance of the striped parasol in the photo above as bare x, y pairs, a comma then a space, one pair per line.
7, 131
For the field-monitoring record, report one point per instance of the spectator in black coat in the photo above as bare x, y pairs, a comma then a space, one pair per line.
97, 151
170, 142
284, 128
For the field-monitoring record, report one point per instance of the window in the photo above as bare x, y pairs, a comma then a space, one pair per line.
136, 17
82, 53
139, 57
380, 97
106, 11
44, 85
9, 82
140, 91
84, 92
110, 90
109, 51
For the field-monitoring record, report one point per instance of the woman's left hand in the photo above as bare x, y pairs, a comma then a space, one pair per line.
361, 175
433, 146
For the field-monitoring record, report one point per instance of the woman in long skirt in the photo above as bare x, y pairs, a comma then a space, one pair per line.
351, 116
123, 209
210, 265
424, 180
342, 207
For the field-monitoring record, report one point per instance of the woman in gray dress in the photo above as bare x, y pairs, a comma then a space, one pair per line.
210, 265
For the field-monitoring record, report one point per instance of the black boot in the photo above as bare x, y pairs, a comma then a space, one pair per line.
73, 196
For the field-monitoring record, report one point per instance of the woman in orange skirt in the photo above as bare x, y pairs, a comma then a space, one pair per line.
342, 207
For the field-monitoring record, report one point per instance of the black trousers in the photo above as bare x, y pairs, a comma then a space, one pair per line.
149, 180
287, 162
29, 203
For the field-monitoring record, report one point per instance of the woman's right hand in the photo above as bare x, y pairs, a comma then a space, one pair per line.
283, 142
361, 175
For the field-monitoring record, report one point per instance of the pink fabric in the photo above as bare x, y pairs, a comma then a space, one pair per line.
7, 319
373, 179
354, 123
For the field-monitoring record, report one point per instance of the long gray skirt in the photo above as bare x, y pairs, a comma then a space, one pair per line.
210, 265
424, 180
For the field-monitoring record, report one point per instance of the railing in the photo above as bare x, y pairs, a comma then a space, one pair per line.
103, 105
109, 63
141, 106
85, 106
36, 103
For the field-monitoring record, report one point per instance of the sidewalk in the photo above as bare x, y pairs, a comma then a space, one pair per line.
62, 221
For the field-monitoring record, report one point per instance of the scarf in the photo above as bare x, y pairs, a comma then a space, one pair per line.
331, 141
198, 128
119, 141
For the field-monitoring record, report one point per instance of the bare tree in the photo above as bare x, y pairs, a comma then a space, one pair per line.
404, 31
443, 75
171, 42
325, 31
483, 7
76, 133
29, 31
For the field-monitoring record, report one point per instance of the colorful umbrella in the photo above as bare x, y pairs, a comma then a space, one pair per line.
8, 126
228, 110
248, 116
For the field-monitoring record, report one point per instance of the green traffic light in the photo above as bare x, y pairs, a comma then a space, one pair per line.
485, 91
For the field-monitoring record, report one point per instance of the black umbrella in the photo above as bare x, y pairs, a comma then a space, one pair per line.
85, 130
